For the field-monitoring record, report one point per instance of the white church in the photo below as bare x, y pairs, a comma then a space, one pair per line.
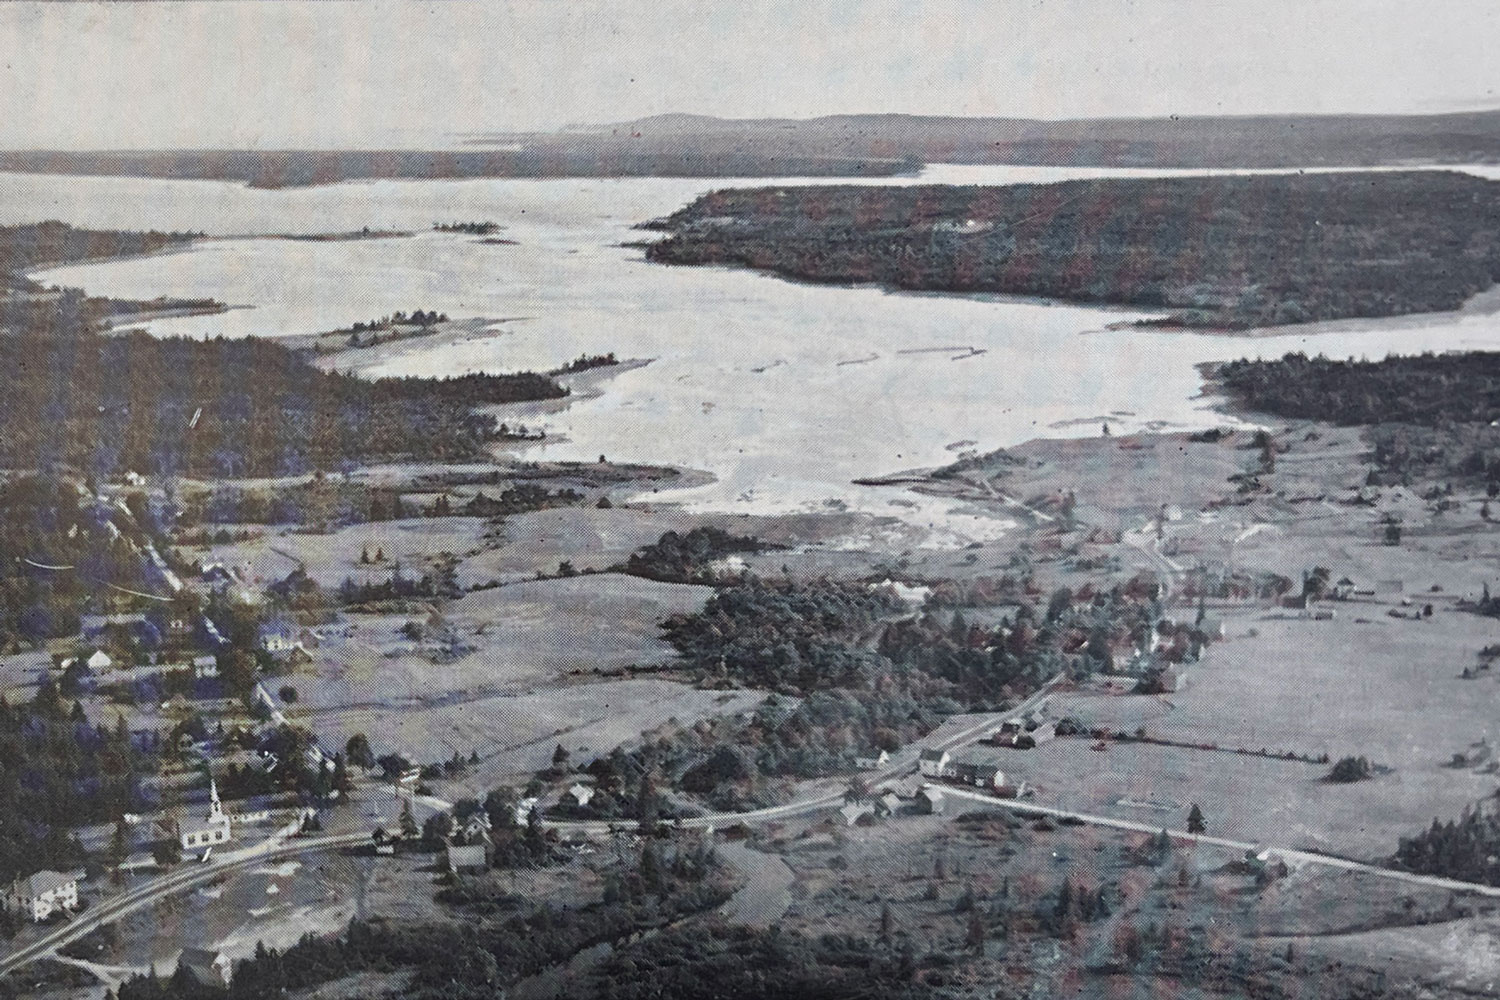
211, 830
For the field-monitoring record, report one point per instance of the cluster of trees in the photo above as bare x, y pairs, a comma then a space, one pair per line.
468, 228
802, 637
1351, 769
1428, 390
417, 317
688, 558
226, 407
1229, 251
441, 583
519, 498
1467, 848
787, 635
57, 770
586, 361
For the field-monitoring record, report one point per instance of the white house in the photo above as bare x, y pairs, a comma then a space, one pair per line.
934, 763
205, 665
39, 896
872, 762
211, 830
99, 661
580, 794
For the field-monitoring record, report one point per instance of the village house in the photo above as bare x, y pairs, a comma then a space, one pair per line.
1344, 589
579, 794
888, 804
929, 801
38, 896
100, 661
872, 762
209, 831
207, 966
934, 763
205, 665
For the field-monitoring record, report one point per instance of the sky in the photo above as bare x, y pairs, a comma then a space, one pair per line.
328, 73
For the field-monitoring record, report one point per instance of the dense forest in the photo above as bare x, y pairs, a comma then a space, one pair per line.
1229, 251
26, 247
1427, 389
803, 637
225, 407
57, 770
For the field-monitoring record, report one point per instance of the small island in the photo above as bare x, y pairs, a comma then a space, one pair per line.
1229, 252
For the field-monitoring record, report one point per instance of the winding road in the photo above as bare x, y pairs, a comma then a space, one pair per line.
189, 877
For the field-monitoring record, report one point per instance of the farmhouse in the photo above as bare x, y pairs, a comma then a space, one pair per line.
39, 896
934, 763
872, 761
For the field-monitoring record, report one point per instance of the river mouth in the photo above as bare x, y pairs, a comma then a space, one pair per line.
784, 393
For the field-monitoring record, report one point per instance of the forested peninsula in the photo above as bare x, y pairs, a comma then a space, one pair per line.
1227, 252
81, 397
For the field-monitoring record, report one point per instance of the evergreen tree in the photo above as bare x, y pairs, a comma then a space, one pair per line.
1195, 822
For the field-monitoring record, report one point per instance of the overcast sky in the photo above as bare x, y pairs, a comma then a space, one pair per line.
285, 73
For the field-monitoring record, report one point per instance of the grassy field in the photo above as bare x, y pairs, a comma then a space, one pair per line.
515, 734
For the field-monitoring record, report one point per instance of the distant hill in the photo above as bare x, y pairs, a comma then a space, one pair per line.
1250, 141
552, 155
876, 145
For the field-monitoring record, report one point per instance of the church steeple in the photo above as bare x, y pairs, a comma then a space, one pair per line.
215, 807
